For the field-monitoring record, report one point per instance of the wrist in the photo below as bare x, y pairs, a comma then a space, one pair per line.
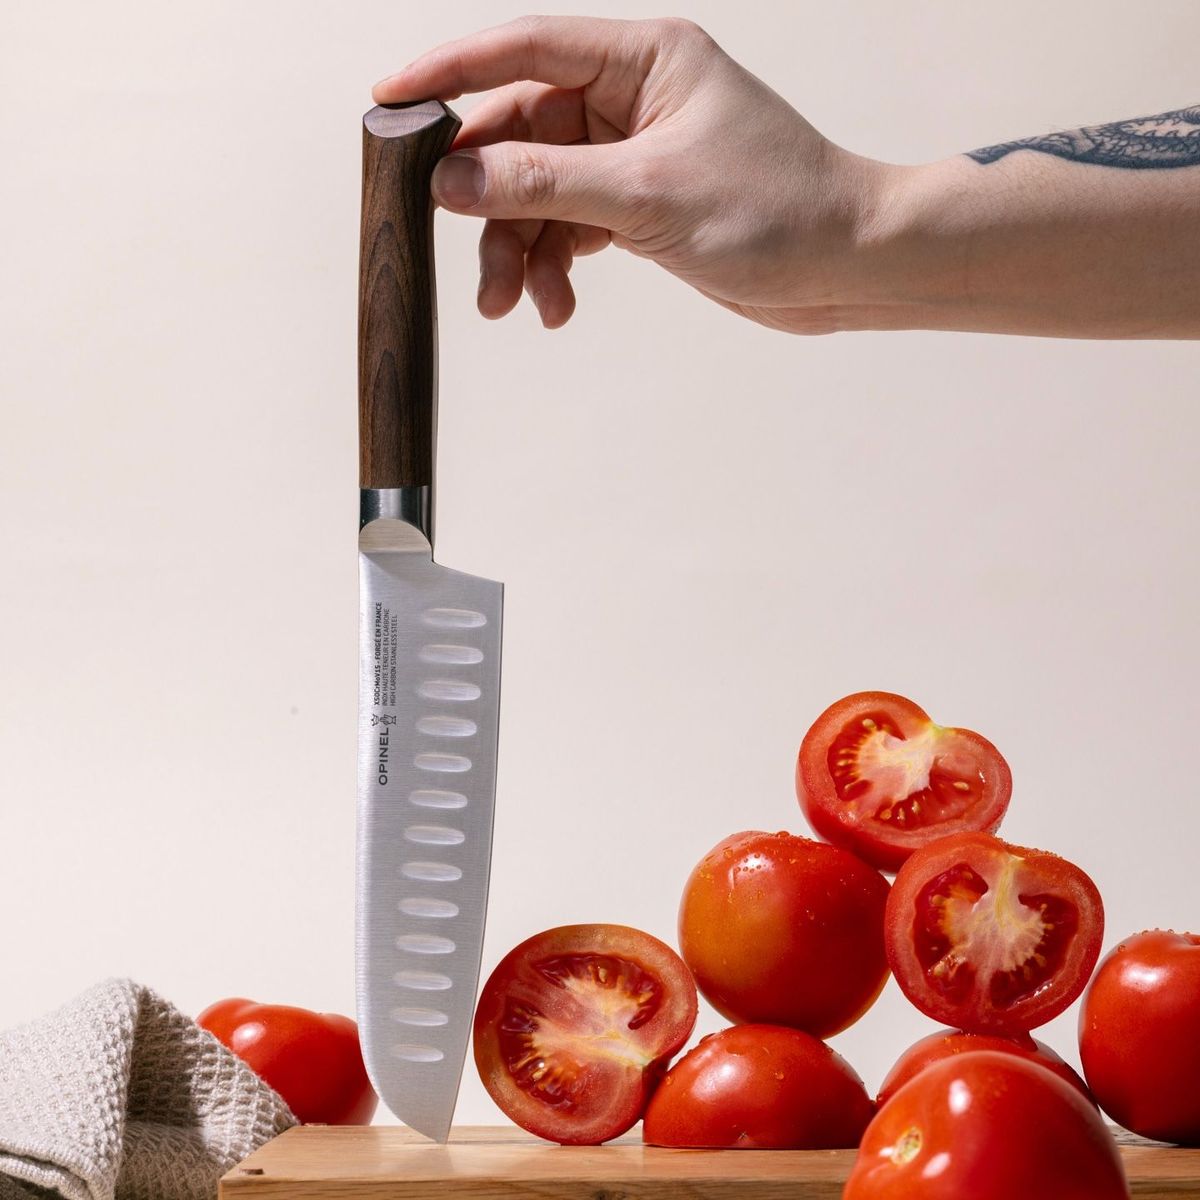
902, 271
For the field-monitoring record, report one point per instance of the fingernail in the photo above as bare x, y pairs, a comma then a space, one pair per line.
458, 180
539, 302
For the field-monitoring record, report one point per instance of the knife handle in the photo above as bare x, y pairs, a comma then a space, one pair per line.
397, 307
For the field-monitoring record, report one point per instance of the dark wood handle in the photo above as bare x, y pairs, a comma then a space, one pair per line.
397, 306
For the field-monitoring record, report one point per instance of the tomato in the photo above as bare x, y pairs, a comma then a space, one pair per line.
781, 930
987, 1126
992, 938
313, 1060
947, 1043
575, 1027
759, 1087
1139, 1035
876, 776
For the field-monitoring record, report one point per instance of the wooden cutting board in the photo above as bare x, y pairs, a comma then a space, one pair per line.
326, 1162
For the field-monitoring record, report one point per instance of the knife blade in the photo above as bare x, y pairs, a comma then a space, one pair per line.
429, 662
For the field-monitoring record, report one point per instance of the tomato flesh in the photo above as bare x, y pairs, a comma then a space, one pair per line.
954, 933
992, 937
878, 777
1139, 1035
987, 1126
909, 781
574, 1027
554, 1058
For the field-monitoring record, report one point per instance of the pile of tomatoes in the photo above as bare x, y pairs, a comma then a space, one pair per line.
792, 940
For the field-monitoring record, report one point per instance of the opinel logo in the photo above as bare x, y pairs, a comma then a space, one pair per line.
376, 719
382, 757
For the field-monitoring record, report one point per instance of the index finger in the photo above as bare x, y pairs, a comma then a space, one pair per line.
568, 52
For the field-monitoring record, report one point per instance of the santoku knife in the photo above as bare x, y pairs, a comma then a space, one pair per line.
429, 662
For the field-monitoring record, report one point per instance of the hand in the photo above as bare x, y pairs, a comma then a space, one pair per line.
647, 135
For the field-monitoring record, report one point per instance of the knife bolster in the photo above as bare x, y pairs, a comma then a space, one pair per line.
413, 505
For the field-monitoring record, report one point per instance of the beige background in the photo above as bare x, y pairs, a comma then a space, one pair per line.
708, 531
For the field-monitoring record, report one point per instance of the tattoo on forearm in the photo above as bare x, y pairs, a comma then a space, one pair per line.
1170, 139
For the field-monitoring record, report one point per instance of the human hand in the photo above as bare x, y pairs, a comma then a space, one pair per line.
647, 135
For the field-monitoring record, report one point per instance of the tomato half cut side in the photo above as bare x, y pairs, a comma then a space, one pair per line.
878, 777
575, 1026
992, 938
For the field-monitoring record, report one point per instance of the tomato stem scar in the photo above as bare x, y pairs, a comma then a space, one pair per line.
907, 1146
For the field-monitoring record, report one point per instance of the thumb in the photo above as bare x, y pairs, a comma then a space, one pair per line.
529, 180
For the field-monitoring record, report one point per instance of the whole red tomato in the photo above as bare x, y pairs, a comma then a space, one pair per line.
781, 930
987, 1126
759, 1087
576, 1025
992, 938
947, 1043
877, 776
313, 1060
1139, 1035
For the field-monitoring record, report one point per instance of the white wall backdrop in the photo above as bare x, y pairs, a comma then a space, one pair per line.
708, 531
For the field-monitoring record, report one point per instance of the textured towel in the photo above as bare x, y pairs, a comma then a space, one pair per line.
119, 1096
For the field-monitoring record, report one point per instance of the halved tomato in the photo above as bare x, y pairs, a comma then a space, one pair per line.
876, 776
575, 1027
992, 938
948, 1043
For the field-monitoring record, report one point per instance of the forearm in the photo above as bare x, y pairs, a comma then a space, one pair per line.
647, 136
1032, 243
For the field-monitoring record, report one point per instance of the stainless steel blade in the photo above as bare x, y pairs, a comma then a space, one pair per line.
429, 700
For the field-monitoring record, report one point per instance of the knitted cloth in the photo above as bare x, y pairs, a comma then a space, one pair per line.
119, 1096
